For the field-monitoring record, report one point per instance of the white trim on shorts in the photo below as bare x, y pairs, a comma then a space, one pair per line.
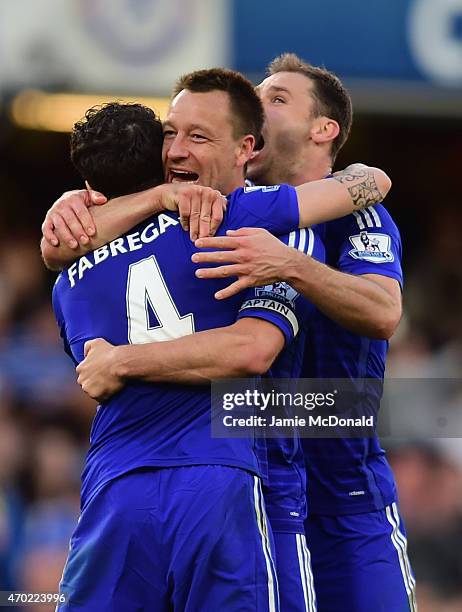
400, 543
273, 591
306, 575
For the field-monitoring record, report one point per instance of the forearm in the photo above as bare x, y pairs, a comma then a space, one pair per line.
354, 302
111, 220
196, 359
354, 188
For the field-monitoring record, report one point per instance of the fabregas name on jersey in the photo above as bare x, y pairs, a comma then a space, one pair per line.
125, 244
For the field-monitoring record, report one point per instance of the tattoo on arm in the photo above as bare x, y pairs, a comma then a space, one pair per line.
364, 193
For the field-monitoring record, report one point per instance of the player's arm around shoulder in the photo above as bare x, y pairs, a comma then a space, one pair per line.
77, 223
258, 343
246, 348
356, 187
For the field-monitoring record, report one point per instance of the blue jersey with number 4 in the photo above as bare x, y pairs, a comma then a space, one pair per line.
142, 288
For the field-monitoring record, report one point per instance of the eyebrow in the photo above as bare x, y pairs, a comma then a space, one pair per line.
276, 88
197, 126
194, 126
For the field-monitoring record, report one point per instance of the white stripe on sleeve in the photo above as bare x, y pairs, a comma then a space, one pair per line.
302, 242
368, 218
359, 220
310, 241
375, 215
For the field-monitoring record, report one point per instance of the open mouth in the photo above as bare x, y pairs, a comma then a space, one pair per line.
182, 176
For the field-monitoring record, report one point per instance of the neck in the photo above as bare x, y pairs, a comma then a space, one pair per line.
312, 170
234, 184
301, 168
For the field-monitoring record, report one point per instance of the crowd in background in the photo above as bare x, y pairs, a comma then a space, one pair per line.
45, 418
44, 425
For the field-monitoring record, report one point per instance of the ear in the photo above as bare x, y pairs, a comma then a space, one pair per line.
324, 130
244, 150
88, 186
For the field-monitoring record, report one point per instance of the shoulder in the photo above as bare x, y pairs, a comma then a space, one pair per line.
374, 218
306, 239
252, 192
272, 207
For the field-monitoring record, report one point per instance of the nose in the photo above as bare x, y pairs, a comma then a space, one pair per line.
176, 148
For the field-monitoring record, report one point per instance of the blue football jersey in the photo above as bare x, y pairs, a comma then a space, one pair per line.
347, 476
285, 487
140, 288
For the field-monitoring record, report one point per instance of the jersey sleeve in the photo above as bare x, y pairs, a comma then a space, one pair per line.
274, 208
279, 303
60, 318
367, 242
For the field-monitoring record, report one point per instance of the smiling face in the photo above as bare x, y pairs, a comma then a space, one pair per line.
289, 107
200, 145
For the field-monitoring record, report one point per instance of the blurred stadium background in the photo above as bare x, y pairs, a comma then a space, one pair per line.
402, 61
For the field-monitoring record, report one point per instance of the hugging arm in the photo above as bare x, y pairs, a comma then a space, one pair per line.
246, 348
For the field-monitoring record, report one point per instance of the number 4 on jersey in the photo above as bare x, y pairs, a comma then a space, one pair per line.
147, 290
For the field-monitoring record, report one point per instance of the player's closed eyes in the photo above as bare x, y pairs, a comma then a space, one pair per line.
169, 134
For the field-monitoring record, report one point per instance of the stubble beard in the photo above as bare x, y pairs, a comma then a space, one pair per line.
276, 168
280, 168
283, 161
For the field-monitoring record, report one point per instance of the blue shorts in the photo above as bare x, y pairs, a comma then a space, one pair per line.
293, 567
189, 538
360, 562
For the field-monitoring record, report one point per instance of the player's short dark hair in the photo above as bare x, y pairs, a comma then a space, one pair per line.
246, 107
330, 96
117, 148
